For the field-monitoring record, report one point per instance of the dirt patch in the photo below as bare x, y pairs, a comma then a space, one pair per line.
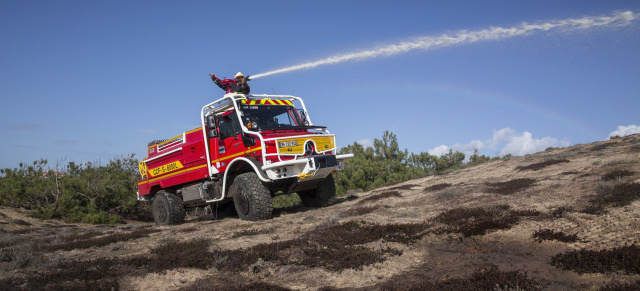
548, 234
487, 278
510, 187
622, 259
619, 195
437, 187
541, 165
478, 221
380, 196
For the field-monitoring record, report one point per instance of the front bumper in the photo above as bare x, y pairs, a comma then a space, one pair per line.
306, 168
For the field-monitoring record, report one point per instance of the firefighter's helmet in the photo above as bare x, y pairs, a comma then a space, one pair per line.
239, 74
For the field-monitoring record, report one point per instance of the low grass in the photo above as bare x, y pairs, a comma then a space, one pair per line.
478, 221
561, 211
621, 194
404, 187
252, 232
548, 234
229, 282
570, 173
541, 165
621, 286
87, 240
487, 278
622, 259
510, 187
20, 222
601, 146
437, 187
356, 211
377, 197
617, 175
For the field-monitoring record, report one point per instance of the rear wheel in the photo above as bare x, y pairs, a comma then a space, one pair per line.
321, 196
251, 198
167, 208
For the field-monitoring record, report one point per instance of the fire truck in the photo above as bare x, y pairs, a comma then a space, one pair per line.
248, 149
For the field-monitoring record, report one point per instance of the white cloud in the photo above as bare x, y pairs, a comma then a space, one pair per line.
625, 130
439, 150
525, 144
366, 143
504, 141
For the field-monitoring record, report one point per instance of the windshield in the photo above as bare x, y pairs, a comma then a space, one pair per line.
261, 117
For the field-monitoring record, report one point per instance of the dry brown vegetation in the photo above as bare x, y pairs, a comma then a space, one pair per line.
511, 186
549, 234
541, 165
528, 223
380, 196
437, 187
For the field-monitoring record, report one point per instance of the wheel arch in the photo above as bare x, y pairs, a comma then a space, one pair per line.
239, 166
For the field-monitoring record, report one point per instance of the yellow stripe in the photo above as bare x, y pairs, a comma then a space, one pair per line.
172, 174
236, 154
289, 102
263, 101
188, 132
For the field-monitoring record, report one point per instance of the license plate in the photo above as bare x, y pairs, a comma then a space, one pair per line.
170, 167
286, 144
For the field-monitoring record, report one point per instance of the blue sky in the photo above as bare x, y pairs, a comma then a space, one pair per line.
90, 80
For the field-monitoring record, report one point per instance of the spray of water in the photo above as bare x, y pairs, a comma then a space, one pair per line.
465, 36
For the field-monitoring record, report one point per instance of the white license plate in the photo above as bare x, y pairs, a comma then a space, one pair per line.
286, 144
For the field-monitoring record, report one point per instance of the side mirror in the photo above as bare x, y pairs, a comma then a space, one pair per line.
248, 140
211, 122
213, 133
303, 116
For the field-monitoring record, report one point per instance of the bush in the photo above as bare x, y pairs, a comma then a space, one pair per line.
624, 259
541, 165
510, 187
77, 193
621, 194
548, 234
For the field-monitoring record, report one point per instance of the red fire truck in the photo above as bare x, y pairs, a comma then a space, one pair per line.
248, 149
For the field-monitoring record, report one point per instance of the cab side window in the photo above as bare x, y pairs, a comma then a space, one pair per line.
228, 126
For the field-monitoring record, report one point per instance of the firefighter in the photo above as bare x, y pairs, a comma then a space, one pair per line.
237, 85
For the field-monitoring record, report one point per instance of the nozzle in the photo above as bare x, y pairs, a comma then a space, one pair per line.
248, 78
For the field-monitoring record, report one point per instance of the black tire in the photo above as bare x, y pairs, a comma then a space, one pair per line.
167, 209
251, 198
321, 196
155, 142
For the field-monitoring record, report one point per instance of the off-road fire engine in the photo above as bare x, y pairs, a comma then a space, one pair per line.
248, 149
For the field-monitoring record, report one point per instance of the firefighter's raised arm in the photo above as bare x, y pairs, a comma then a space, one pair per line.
217, 81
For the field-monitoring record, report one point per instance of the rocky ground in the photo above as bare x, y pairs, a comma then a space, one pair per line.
562, 219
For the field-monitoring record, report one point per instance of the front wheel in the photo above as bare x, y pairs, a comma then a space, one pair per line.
251, 198
321, 196
167, 208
